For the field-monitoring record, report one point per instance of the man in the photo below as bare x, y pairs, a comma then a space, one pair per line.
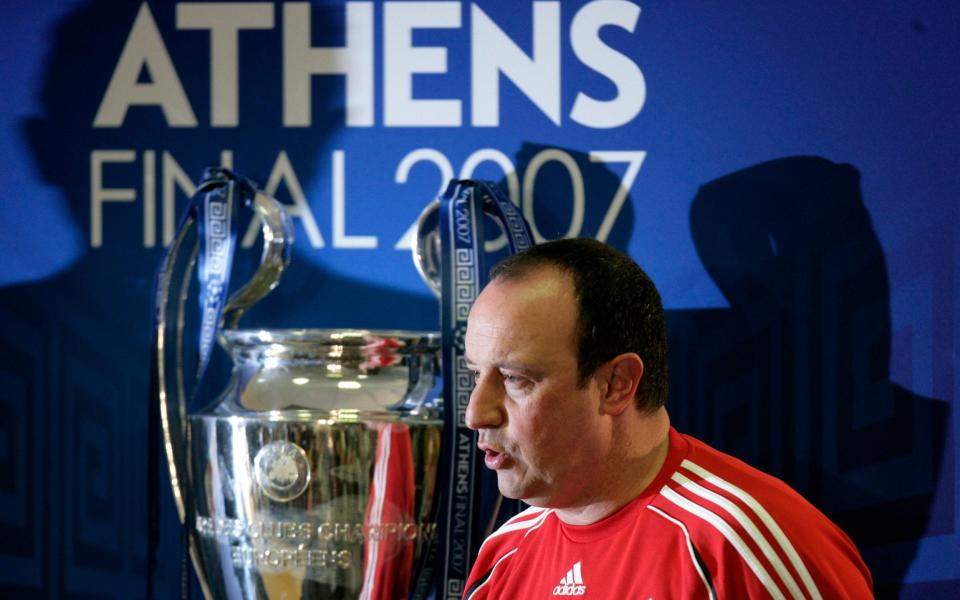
568, 347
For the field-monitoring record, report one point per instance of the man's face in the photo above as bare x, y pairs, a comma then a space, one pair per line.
541, 432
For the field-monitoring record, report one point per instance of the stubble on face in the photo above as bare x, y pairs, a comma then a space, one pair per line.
521, 342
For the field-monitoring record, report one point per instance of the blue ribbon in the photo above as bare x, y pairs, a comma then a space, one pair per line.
212, 209
463, 275
219, 191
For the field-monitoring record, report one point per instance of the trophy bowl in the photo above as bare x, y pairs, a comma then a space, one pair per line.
313, 474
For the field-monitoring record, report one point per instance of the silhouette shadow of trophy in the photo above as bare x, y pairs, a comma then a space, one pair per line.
794, 377
77, 340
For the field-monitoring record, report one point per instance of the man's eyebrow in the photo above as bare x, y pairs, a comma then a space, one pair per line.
520, 367
497, 365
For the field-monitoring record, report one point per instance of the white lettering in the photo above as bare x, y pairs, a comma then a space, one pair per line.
340, 237
162, 192
149, 199
493, 52
401, 60
634, 159
301, 61
100, 194
569, 589
146, 76
576, 179
462, 222
623, 72
406, 241
144, 49
224, 20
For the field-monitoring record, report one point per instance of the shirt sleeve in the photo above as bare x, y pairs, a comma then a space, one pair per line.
821, 564
757, 538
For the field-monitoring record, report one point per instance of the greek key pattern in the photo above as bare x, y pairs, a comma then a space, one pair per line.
217, 242
518, 230
513, 222
465, 282
463, 386
514, 225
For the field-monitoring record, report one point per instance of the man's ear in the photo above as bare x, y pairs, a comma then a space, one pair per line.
622, 376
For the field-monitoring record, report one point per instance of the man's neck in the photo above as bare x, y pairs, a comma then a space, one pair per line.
632, 472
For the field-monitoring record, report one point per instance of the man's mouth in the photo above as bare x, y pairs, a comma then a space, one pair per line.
493, 457
494, 460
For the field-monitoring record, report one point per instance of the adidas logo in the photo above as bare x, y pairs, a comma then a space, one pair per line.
572, 583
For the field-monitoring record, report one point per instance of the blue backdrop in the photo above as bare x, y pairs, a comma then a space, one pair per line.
786, 173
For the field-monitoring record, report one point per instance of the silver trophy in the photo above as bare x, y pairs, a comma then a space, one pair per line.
313, 473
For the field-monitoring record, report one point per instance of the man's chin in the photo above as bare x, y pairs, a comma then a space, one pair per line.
507, 492
508, 488
513, 491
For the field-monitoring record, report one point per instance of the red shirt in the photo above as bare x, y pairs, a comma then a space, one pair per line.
709, 526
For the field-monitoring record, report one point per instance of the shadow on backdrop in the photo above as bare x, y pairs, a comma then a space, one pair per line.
794, 377
75, 347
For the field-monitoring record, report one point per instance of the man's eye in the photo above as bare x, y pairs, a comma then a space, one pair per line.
513, 380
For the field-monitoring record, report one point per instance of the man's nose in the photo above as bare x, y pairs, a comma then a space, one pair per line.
485, 408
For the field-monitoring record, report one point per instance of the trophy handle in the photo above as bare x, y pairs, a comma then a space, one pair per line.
172, 395
277, 228
426, 247
168, 379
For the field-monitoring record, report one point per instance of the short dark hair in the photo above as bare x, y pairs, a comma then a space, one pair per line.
619, 308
